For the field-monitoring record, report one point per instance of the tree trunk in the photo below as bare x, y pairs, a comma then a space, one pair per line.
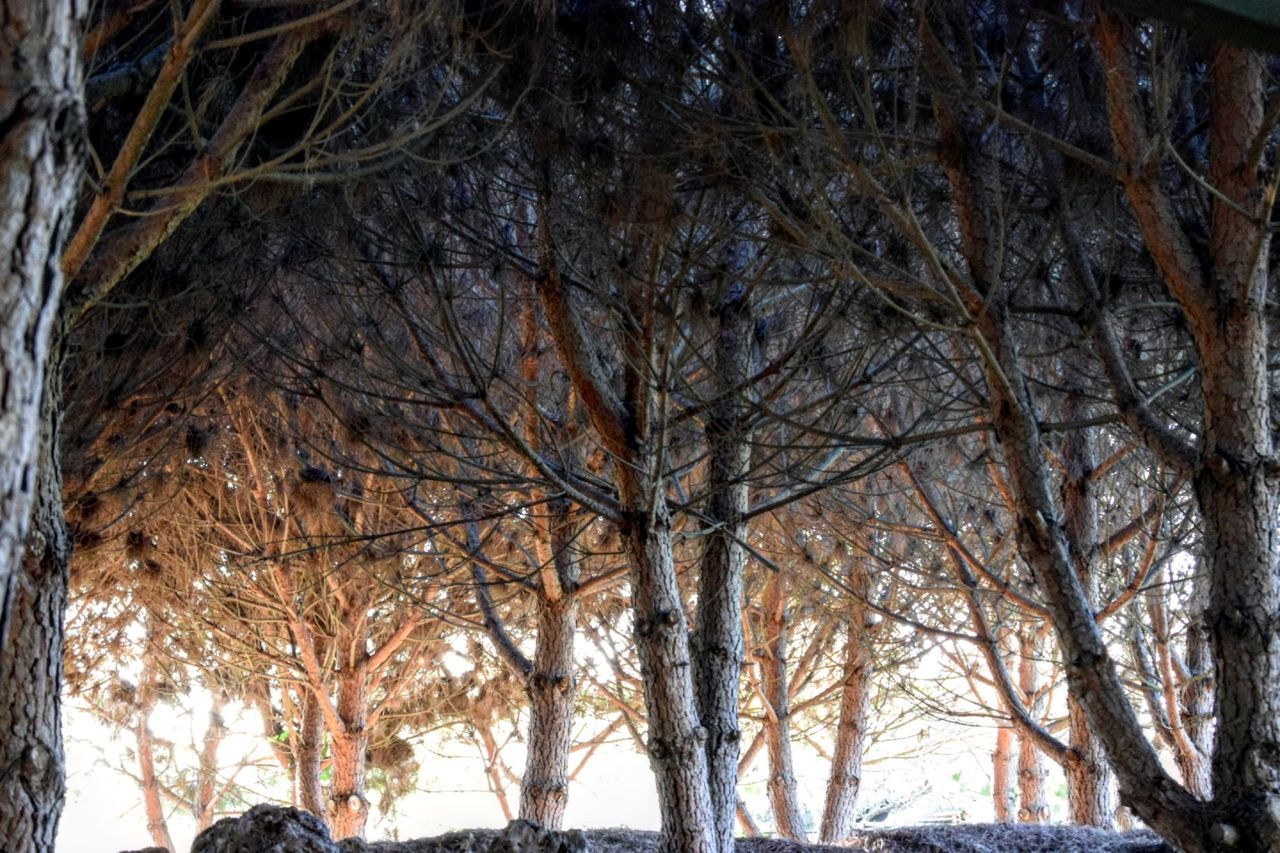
1197, 707
1033, 804
205, 805
307, 764
41, 146
626, 428
551, 686
718, 641
146, 703
1223, 300
32, 777
1002, 775
855, 706
676, 747
1088, 774
1089, 785
783, 796
349, 808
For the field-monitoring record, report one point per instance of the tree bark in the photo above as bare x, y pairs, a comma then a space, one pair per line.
32, 776
551, 686
855, 707
626, 426
1197, 707
349, 807
41, 147
310, 754
719, 641
206, 800
1033, 804
1234, 469
157, 825
1002, 775
1089, 783
783, 796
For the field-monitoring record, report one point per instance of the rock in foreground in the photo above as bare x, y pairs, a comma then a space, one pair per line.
274, 829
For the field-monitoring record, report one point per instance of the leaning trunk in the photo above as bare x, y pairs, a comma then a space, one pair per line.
851, 733
207, 782
718, 640
1088, 775
777, 714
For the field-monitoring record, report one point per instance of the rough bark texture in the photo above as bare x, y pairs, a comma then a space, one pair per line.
1197, 707
41, 142
1033, 803
32, 776
718, 641
1234, 471
845, 780
551, 685
627, 429
309, 791
348, 806
783, 795
1089, 784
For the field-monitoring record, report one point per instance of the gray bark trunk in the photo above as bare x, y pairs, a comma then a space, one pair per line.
41, 145
551, 686
718, 641
32, 776
1089, 783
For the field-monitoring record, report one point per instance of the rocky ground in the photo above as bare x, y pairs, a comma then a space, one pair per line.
272, 829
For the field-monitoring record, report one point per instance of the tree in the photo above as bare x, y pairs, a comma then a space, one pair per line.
41, 150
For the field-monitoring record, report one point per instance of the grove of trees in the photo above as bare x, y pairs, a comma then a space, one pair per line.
717, 375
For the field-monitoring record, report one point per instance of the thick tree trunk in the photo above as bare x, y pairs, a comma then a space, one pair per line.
676, 748
626, 427
551, 686
855, 707
1033, 803
1002, 775
1223, 300
718, 642
1090, 800
349, 807
783, 796
309, 791
32, 776
41, 146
